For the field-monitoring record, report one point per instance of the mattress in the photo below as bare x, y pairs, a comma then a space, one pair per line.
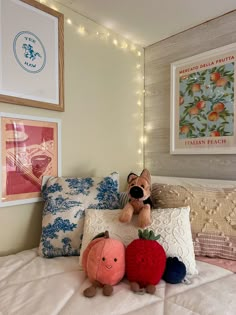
32, 285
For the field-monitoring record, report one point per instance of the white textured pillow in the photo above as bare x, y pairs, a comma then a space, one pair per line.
172, 224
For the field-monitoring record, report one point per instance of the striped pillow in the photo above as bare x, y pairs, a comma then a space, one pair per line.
123, 199
215, 245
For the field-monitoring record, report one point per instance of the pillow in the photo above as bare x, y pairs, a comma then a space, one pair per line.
212, 216
124, 199
66, 199
172, 224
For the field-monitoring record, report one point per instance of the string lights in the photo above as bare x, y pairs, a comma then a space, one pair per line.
126, 46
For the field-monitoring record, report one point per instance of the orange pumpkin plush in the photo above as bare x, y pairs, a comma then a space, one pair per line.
104, 263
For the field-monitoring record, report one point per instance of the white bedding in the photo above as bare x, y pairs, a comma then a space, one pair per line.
31, 285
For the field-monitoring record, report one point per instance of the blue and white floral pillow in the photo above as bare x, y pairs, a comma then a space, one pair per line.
66, 199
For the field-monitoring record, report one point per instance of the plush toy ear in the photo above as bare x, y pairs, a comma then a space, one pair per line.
146, 175
130, 177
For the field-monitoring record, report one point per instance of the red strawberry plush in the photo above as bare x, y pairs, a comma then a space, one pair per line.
145, 261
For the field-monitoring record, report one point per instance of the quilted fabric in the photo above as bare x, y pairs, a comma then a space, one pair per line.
32, 285
66, 199
212, 215
172, 224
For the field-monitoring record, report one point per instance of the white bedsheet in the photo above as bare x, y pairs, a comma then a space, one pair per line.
31, 285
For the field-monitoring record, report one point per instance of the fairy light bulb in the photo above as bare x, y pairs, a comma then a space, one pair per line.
143, 139
69, 21
81, 30
115, 42
124, 45
139, 53
148, 127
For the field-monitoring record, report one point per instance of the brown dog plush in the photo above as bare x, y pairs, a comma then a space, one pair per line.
139, 191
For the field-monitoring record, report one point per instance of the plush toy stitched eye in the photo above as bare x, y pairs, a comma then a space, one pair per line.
103, 258
115, 259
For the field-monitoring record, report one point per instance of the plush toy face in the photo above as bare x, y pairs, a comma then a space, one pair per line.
104, 261
139, 187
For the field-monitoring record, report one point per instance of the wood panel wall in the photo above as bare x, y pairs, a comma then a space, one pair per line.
158, 57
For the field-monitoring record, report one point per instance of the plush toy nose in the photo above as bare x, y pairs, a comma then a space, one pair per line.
136, 192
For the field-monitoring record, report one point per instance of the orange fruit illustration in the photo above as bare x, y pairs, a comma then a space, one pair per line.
181, 100
184, 129
213, 116
193, 111
200, 104
215, 133
218, 107
215, 76
221, 82
196, 87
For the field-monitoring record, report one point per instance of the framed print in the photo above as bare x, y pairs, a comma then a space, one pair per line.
30, 150
31, 54
203, 103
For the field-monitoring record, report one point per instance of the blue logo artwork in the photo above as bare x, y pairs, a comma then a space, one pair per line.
29, 52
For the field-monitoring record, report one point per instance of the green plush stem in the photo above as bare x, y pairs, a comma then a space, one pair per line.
148, 235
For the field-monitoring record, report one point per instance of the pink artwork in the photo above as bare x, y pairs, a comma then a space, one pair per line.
29, 152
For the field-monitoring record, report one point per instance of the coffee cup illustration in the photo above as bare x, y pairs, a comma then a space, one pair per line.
39, 164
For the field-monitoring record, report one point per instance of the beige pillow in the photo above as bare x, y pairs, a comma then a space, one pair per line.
212, 215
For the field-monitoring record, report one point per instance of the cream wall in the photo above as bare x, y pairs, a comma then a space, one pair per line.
102, 123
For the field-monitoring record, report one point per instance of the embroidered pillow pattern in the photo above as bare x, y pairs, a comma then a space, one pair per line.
66, 199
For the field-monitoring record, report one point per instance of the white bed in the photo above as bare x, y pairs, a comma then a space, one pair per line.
32, 285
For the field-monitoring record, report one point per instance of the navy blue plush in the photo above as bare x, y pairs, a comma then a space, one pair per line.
175, 270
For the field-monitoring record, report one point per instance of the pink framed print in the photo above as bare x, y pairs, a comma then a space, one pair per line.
203, 103
30, 150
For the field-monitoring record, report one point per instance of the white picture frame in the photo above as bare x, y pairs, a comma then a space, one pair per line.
30, 149
203, 103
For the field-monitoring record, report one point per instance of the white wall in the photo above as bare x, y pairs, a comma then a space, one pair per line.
102, 123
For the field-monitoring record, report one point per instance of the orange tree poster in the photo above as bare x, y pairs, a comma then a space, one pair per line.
203, 103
